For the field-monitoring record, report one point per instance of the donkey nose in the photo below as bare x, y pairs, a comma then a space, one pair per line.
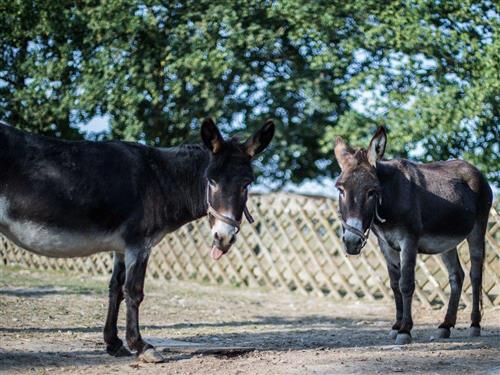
352, 243
223, 242
224, 234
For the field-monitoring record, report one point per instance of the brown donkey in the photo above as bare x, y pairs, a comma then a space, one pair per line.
415, 208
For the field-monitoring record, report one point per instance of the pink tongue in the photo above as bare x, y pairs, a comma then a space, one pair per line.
216, 253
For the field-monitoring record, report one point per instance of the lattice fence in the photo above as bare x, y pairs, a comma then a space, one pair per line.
293, 245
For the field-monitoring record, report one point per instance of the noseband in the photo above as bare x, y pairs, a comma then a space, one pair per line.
360, 233
235, 223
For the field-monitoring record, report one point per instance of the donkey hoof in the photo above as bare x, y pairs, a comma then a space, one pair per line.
443, 333
121, 351
474, 331
151, 356
403, 339
393, 334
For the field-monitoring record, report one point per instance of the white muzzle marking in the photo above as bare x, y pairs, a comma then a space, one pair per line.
225, 232
355, 223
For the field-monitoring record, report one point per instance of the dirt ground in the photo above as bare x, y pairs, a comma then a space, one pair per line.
51, 323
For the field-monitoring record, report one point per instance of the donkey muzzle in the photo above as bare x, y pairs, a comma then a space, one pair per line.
353, 237
352, 243
221, 245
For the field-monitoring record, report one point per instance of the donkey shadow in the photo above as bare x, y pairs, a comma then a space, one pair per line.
48, 290
270, 333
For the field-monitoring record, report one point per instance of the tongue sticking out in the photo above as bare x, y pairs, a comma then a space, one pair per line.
216, 253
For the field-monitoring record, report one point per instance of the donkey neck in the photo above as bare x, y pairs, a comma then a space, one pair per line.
183, 183
387, 174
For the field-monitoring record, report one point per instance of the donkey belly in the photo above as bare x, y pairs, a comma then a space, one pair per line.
435, 244
49, 240
446, 233
445, 225
55, 242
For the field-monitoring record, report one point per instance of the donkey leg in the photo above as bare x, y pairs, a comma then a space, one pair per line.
476, 250
114, 345
456, 277
136, 262
408, 258
392, 261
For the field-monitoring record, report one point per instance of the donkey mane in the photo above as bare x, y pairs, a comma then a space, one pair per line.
235, 146
186, 165
361, 155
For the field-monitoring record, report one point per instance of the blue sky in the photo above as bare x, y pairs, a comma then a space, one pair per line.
96, 125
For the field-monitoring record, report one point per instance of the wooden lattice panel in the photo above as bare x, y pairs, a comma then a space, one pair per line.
293, 245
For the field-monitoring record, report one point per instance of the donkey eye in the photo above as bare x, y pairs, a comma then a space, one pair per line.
212, 183
371, 193
341, 191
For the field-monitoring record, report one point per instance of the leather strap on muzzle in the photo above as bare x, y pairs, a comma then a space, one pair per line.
235, 223
358, 232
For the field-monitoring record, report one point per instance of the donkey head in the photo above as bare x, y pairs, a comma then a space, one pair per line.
229, 174
359, 189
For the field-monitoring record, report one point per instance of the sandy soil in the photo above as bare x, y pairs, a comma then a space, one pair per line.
51, 323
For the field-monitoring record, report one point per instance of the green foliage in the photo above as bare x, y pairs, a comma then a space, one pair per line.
428, 70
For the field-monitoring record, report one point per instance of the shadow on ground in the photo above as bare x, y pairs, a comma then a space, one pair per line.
317, 333
47, 291
272, 320
280, 334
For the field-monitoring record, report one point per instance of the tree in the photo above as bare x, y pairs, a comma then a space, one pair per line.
38, 66
427, 69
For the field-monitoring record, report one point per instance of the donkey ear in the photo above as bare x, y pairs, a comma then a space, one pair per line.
211, 136
260, 140
343, 153
377, 146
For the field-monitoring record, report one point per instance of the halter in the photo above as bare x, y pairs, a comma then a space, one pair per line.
235, 223
358, 232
